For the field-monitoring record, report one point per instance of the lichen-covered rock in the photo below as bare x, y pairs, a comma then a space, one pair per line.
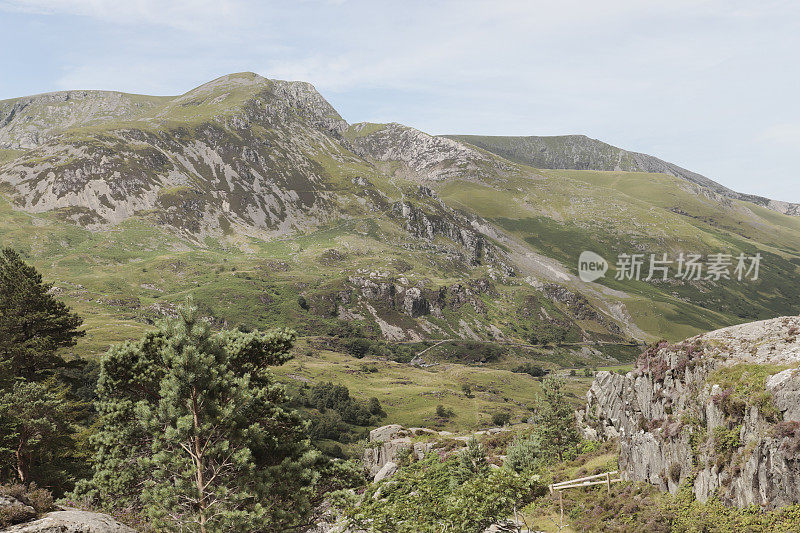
72, 521
387, 470
388, 444
719, 411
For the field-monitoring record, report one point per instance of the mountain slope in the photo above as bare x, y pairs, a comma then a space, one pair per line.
579, 152
241, 151
257, 198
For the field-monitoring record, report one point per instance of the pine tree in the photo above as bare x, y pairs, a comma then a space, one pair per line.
35, 424
33, 324
555, 418
472, 460
192, 433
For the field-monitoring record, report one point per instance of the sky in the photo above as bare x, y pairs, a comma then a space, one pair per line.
713, 86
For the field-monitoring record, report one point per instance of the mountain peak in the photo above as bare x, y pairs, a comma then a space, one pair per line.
228, 82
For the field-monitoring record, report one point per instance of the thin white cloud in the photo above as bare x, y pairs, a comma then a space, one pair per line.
185, 15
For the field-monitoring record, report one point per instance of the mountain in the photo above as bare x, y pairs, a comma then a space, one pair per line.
255, 197
579, 152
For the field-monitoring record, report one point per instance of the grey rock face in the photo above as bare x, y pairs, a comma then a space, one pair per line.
389, 443
451, 225
72, 521
387, 470
673, 420
32, 120
425, 156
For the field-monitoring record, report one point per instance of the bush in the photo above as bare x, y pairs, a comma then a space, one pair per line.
303, 303
30, 496
337, 397
501, 418
358, 347
444, 412
374, 406
675, 472
530, 369
524, 455
467, 390
15, 514
329, 425
435, 495
548, 334
726, 441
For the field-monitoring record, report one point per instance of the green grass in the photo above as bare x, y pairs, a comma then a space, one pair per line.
409, 395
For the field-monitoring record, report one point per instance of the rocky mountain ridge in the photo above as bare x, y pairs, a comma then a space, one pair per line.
580, 152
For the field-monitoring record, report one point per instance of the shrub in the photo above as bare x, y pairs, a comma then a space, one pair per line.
337, 397
444, 412
726, 441
730, 404
675, 472
303, 303
358, 347
374, 406
433, 495
524, 455
789, 432
467, 390
501, 418
30, 496
530, 369
15, 514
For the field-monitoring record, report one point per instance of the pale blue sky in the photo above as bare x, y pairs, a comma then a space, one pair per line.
710, 85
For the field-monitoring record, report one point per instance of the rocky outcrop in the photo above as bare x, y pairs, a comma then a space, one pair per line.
397, 295
429, 226
718, 411
424, 156
386, 446
72, 521
30, 121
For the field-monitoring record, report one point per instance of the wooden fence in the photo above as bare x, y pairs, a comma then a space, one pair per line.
598, 479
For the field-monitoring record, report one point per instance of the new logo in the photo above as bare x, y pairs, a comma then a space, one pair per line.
591, 266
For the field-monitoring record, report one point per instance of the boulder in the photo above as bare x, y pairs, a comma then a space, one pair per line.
387, 445
385, 433
387, 470
72, 521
